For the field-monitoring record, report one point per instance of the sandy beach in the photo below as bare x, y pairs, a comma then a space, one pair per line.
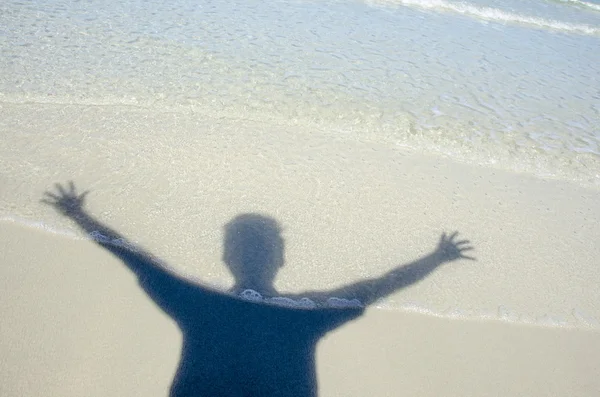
524, 319
300, 198
76, 322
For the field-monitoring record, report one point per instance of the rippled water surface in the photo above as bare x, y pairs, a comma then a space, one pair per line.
510, 84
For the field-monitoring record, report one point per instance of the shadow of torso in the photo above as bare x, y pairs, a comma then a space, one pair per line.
236, 347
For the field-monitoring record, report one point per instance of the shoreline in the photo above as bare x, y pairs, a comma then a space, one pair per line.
348, 211
500, 315
77, 314
403, 136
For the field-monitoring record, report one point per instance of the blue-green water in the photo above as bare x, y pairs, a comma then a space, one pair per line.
508, 84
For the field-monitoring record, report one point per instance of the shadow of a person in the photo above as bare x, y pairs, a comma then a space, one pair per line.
252, 340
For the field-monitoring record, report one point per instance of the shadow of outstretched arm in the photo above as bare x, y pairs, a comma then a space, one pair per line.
369, 291
69, 203
158, 282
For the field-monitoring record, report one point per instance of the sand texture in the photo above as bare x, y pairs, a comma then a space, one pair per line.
76, 323
80, 319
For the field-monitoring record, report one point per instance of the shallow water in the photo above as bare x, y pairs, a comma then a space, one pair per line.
513, 84
180, 115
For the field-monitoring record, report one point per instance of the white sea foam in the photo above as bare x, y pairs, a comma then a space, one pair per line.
41, 226
339, 302
93, 236
494, 14
251, 295
582, 4
304, 303
576, 319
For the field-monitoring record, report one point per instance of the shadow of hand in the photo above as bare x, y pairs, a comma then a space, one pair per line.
67, 202
451, 250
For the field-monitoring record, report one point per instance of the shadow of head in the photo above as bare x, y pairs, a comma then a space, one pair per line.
253, 251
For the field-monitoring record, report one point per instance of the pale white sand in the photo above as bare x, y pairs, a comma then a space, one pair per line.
397, 354
76, 323
522, 320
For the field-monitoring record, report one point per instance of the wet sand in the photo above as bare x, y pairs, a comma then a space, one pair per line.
521, 320
75, 322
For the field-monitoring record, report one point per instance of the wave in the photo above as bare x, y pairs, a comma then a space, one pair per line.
496, 15
581, 3
38, 225
573, 319
66, 233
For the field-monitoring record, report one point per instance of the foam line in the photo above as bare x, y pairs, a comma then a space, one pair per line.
493, 15
41, 226
582, 4
577, 318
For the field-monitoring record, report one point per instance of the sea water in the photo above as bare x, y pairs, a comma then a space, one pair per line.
512, 85
509, 84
